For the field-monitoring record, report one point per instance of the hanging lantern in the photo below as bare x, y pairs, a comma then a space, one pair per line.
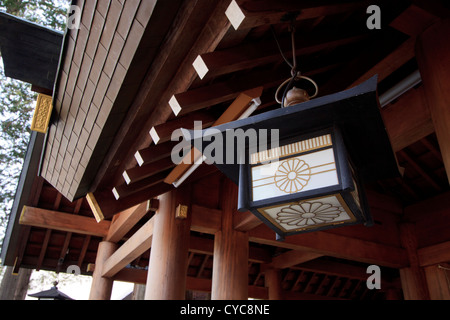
311, 177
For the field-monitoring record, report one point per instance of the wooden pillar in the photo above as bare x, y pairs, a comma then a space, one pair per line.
433, 57
15, 286
230, 264
438, 280
272, 278
166, 279
413, 277
101, 287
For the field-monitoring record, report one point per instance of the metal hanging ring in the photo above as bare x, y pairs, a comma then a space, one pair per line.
297, 77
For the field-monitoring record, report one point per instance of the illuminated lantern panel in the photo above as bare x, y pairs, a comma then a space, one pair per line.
312, 178
304, 185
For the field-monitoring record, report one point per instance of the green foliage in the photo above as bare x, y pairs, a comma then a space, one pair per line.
17, 101
50, 13
16, 109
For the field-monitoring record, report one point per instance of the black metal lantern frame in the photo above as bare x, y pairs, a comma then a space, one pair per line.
295, 208
346, 127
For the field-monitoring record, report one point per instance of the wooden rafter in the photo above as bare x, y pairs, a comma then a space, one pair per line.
260, 53
166, 78
245, 14
54, 220
336, 245
408, 120
127, 189
154, 153
233, 112
163, 132
292, 258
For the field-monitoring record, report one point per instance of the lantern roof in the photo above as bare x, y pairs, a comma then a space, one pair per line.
53, 293
354, 111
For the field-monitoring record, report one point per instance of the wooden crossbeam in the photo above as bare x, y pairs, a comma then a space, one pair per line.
192, 100
392, 62
56, 220
244, 14
163, 132
140, 242
139, 173
127, 189
198, 27
412, 21
244, 221
335, 245
221, 92
233, 112
434, 254
154, 153
292, 258
205, 220
408, 120
124, 221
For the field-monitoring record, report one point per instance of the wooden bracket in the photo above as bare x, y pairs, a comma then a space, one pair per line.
181, 211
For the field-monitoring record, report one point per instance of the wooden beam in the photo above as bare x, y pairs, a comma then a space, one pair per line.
245, 221
337, 269
205, 220
110, 206
408, 119
255, 54
432, 217
245, 14
412, 22
44, 246
163, 132
433, 58
84, 249
154, 153
197, 29
292, 258
95, 207
434, 254
139, 173
340, 246
55, 220
429, 208
140, 242
392, 62
221, 92
233, 112
126, 189
124, 221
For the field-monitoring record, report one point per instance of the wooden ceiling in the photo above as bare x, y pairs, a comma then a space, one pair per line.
333, 46
337, 50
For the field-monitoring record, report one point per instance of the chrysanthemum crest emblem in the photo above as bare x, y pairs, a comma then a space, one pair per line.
308, 213
292, 175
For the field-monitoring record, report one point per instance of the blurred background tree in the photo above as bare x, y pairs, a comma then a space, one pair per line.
17, 102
